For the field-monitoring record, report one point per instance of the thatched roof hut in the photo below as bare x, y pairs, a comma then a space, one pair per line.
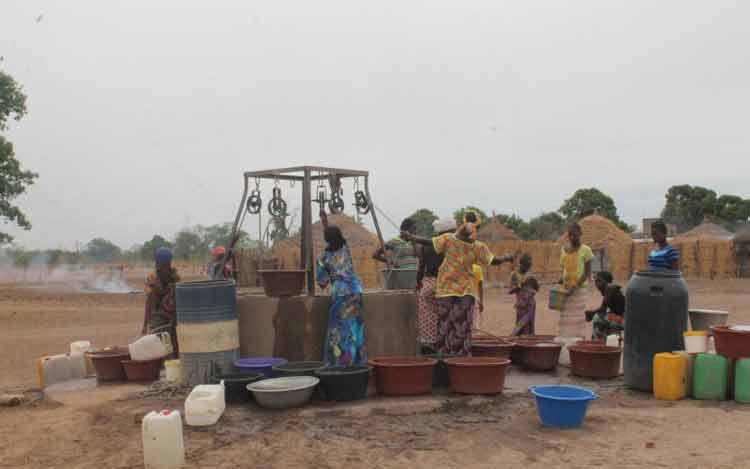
493, 231
742, 235
600, 232
357, 236
707, 230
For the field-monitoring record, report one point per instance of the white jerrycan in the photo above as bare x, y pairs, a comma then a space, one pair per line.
205, 405
163, 445
151, 347
79, 367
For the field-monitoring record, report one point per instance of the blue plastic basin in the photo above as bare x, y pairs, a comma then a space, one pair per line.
562, 406
262, 365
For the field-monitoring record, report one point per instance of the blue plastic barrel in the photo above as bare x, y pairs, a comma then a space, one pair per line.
562, 406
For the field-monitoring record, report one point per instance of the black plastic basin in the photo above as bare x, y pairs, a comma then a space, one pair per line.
344, 383
297, 369
235, 385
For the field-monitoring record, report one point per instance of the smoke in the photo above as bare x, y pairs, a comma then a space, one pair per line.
74, 277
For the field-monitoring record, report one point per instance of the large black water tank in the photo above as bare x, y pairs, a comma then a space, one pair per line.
656, 315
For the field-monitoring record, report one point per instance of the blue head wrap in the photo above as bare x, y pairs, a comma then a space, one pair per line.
163, 255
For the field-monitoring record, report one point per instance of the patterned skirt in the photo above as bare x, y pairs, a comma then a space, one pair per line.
455, 320
427, 317
345, 338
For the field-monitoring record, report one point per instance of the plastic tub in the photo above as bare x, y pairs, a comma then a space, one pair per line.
492, 348
595, 360
108, 363
262, 365
477, 375
731, 343
696, 341
401, 376
539, 356
562, 406
283, 393
705, 319
235, 385
298, 369
344, 383
142, 370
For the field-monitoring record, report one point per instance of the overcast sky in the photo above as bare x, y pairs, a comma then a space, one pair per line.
144, 114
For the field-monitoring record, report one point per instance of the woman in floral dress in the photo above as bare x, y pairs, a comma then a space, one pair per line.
345, 338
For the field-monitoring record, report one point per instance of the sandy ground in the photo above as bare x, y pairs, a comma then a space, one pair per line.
101, 427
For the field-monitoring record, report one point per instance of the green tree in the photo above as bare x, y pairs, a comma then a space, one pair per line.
686, 206
547, 227
102, 250
733, 211
149, 247
517, 224
189, 244
424, 218
585, 202
13, 180
459, 214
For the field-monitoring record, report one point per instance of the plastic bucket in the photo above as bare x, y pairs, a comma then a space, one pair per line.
562, 406
344, 383
696, 341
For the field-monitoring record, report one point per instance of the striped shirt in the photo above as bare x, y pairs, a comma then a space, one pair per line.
663, 259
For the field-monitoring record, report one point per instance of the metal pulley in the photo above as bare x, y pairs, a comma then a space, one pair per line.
336, 204
361, 203
254, 202
277, 205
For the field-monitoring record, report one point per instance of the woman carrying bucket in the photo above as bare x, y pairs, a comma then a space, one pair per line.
345, 338
575, 261
456, 289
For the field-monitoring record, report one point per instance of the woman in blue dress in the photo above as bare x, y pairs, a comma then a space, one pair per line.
345, 338
663, 256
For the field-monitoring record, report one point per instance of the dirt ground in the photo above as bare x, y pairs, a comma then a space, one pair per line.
101, 427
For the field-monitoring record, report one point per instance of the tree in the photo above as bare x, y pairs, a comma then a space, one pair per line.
13, 180
517, 224
459, 214
733, 211
547, 227
149, 248
102, 250
686, 206
424, 218
188, 244
585, 202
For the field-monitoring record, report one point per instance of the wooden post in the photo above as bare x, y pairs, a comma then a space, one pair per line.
308, 256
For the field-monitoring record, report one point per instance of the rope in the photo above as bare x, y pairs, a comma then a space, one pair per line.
397, 227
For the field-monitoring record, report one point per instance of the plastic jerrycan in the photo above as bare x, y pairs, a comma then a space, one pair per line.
710, 377
205, 404
670, 376
163, 444
742, 381
80, 365
689, 364
151, 347
53, 369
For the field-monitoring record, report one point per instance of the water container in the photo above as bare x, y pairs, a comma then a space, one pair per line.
77, 366
566, 342
204, 405
207, 329
689, 363
670, 376
174, 371
696, 341
710, 377
742, 381
150, 347
53, 369
655, 318
163, 445
80, 348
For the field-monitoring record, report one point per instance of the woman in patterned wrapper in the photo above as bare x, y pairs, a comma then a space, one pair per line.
456, 289
345, 338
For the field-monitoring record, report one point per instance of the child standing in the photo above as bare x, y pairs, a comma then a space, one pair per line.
524, 287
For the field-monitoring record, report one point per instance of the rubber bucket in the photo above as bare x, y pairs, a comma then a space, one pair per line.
562, 406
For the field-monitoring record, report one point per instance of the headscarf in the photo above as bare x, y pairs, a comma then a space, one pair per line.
334, 238
219, 251
444, 225
163, 255
471, 226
